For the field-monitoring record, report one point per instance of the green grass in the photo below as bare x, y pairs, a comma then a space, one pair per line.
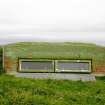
0, 59
50, 51
23, 91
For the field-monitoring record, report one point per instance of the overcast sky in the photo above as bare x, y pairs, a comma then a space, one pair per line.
52, 20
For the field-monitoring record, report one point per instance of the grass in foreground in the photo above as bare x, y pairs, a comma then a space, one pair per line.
23, 91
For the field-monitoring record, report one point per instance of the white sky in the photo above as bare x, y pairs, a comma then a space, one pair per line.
52, 20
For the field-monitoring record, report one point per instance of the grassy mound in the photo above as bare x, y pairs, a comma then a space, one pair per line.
54, 51
23, 91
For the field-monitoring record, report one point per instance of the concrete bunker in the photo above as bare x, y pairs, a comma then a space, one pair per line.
53, 57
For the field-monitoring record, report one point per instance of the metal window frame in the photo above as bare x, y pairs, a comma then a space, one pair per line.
35, 70
81, 61
54, 65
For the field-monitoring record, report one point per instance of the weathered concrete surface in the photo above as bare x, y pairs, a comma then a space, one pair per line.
66, 76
